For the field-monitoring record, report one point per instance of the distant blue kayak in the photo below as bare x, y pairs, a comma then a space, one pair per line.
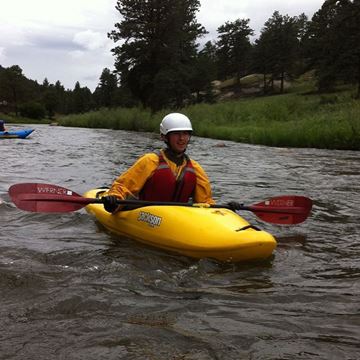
15, 134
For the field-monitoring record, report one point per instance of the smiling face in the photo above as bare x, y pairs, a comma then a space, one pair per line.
178, 141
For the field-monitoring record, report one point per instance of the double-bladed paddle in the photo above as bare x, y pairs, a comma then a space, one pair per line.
37, 197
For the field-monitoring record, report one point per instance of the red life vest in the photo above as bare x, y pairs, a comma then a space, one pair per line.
163, 185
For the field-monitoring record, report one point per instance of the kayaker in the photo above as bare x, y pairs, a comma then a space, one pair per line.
2, 125
169, 175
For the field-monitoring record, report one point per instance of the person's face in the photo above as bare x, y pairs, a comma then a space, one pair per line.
178, 140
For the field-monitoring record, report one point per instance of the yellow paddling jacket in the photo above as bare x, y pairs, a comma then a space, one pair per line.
131, 182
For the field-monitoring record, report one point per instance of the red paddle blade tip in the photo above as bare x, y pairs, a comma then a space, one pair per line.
286, 209
37, 197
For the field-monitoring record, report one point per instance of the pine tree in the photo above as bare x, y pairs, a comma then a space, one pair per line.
323, 47
105, 92
154, 61
279, 44
234, 48
13, 87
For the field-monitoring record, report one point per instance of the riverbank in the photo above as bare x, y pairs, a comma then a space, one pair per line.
292, 120
296, 119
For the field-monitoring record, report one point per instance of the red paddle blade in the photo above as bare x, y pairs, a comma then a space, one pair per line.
46, 198
287, 209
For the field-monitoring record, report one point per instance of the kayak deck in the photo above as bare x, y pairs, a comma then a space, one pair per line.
198, 232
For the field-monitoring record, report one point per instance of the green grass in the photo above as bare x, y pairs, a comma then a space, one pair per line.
291, 120
299, 118
12, 119
117, 119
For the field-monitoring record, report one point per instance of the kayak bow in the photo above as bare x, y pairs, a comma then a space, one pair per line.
15, 134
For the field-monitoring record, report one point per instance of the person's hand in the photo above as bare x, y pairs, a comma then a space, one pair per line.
233, 205
110, 203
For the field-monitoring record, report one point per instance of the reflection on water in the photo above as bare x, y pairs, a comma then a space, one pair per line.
71, 290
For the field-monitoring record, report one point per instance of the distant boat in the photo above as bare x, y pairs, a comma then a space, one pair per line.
15, 134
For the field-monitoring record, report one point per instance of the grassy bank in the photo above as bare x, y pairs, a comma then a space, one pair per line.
296, 119
293, 120
12, 119
290, 120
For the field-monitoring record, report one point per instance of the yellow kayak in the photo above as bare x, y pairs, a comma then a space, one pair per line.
198, 232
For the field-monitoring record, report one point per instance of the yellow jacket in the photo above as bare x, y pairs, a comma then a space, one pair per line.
130, 183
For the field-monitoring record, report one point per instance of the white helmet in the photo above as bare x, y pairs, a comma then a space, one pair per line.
175, 122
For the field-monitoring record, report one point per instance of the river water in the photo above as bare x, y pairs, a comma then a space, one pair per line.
71, 290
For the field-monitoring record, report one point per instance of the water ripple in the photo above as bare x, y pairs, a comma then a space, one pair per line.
72, 290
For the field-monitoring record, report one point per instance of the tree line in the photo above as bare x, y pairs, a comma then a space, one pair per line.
158, 62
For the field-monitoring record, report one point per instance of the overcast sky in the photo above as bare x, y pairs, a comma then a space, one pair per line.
67, 40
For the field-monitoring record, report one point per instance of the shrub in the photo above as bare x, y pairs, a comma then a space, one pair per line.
32, 110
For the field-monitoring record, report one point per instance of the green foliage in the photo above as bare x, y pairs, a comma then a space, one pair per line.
50, 101
134, 119
203, 73
13, 87
333, 44
32, 110
233, 48
106, 91
287, 121
81, 99
17, 90
159, 49
291, 120
278, 49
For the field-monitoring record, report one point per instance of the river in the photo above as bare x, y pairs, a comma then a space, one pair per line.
71, 290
